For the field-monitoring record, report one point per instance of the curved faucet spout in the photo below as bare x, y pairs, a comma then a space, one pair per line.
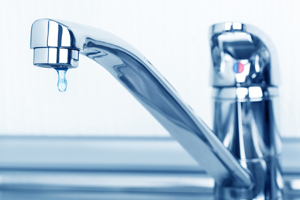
57, 44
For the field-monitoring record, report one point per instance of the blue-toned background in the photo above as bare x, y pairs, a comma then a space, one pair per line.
172, 34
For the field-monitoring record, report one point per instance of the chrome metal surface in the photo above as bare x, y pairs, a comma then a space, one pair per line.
249, 129
56, 57
146, 84
235, 42
244, 72
245, 109
114, 168
244, 94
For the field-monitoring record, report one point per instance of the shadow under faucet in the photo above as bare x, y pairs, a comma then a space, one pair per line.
57, 45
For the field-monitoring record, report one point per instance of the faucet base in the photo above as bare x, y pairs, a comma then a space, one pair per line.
268, 182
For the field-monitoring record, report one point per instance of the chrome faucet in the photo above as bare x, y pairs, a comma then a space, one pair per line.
245, 89
246, 165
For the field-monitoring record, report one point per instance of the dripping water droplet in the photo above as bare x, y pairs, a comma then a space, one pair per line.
62, 81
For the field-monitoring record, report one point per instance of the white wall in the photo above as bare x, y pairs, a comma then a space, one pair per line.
172, 34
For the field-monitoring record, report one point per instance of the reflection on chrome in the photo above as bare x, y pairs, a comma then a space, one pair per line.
245, 115
295, 184
246, 166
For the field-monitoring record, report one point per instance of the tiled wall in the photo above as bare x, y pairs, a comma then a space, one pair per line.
172, 34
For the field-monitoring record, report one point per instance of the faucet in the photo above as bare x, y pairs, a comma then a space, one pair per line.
242, 151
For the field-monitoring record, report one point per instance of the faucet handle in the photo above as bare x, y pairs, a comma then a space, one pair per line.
241, 56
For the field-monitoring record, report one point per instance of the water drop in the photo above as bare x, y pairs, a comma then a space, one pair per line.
62, 81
